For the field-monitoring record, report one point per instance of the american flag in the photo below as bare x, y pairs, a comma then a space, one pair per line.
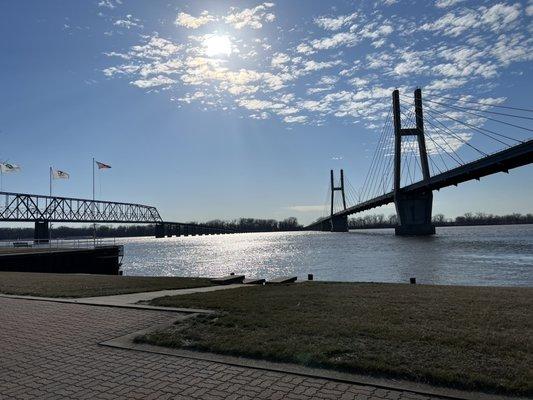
101, 165
57, 174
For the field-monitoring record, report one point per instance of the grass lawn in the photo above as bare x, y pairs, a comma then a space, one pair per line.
477, 338
77, 285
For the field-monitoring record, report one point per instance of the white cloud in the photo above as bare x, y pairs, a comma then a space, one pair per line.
295, 119
255, 104
188, 21
109, 3
312, 65
529, 8
446, 84
313, 77
339, 39
128, 22
335, 23
446, 3
497, 17
279, 59
153, 82
305, 49
250, 17
156, 48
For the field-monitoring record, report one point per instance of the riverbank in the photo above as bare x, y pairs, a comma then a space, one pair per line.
475, 338
81, 285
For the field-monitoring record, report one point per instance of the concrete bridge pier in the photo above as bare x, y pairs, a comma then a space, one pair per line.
414, 214
325, 226
41, 233
160, 230
339, 224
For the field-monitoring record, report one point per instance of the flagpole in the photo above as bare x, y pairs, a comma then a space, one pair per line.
50, 176
94, 206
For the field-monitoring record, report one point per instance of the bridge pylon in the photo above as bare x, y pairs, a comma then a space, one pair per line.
337, 223
414, 209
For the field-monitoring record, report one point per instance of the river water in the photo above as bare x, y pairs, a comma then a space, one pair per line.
482, 255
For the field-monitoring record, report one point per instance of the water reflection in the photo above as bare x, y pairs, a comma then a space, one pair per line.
501, 255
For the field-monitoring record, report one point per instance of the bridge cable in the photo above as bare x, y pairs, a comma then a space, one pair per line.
442, 136
436, 119
374, 155
477, 129
382, 162
410, 148
462, 109
368, 183
429, 136
483, 104
480, 110
383, 165
474, 128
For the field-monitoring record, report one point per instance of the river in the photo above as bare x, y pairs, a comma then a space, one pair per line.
481, 255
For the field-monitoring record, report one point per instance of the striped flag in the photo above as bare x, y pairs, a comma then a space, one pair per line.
101, 165
6, 167
57, 174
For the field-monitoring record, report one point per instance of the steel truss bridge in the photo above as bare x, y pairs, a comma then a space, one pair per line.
22, 207
404, 172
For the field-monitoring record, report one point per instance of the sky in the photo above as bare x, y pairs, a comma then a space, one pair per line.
210, 109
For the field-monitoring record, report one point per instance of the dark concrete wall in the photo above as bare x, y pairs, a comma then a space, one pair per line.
101, 260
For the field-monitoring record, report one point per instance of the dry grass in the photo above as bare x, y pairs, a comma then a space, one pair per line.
476, 338
78, 285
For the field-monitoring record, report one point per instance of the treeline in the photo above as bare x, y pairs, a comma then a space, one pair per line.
66, 232
240, 225
381, 221
257, 225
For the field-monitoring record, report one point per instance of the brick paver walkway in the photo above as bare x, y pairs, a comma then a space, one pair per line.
50, 351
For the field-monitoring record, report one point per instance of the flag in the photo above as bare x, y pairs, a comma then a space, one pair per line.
8, 167
57, 174
101, 165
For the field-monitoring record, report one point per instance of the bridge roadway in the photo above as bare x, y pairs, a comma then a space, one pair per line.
501, 161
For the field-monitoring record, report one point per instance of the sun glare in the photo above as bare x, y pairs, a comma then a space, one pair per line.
216, 45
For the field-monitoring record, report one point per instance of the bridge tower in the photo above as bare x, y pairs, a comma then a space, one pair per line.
413, 210
337, 223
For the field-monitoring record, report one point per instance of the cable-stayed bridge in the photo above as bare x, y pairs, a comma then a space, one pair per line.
424, 148
420, 149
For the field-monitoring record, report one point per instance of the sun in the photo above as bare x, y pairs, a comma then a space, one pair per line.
217, 45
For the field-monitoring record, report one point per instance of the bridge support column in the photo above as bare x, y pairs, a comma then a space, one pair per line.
160, 230
414, 214
339, 223
41, 233
413, 210
325, 226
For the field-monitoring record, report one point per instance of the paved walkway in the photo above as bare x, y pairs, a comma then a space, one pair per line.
50, 350
132, 298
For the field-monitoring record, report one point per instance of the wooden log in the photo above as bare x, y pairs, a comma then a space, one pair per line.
283, 279
228, 280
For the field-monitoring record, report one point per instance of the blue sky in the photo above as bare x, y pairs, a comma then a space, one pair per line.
210, 109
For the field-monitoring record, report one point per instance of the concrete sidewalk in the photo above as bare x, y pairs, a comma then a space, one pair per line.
131, 300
